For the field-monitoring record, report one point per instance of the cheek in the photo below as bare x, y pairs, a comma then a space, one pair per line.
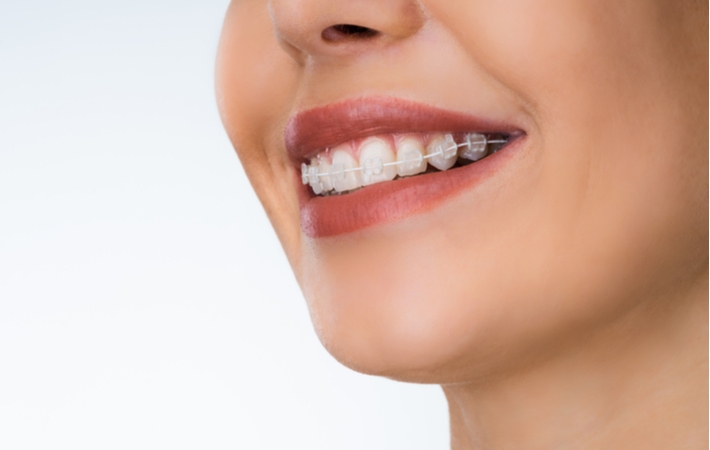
601, 80
255, 79
255, 83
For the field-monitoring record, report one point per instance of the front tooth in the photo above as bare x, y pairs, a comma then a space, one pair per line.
324, 174
476, 147
410, 155
442, 149
374, 154
342, 179
314, 179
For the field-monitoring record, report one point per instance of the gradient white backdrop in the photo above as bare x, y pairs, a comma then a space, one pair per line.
144, 300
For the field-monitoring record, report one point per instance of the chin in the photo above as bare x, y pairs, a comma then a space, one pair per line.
411, 346
382, 305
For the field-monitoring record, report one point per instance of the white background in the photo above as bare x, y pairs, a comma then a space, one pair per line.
144, 300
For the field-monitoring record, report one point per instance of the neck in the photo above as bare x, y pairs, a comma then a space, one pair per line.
642, 383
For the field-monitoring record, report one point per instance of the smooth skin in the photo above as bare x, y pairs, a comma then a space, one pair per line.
562, 303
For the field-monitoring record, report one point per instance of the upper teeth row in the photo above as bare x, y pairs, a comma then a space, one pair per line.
377, 160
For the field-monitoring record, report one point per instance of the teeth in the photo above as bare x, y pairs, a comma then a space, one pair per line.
377, 161
304, 173
313, 178
343, 173
338, 171
475, 147
410, 155
324, 173
442, 151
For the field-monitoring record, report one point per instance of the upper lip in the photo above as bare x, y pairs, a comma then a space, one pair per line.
312, 130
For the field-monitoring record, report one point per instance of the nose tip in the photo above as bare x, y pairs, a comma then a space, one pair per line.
315, 28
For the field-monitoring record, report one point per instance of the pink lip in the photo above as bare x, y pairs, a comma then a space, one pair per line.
313, 130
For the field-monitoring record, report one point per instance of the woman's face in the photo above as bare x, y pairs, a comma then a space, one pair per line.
595, 207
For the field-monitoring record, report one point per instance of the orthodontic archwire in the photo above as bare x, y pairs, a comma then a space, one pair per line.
446, 149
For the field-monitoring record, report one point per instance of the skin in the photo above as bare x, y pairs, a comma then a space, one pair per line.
562, 303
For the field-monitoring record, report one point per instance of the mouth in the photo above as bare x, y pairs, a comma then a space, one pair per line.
374, 160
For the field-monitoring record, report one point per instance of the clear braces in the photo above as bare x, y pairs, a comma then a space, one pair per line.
475, 143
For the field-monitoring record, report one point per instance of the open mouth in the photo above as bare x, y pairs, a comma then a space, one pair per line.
375, 160
352, 165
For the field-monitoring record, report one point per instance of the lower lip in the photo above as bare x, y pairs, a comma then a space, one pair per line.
394, 200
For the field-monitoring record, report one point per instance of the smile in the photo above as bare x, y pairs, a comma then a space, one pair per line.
370, 161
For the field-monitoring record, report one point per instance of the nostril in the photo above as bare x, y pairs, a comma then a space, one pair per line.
342, 32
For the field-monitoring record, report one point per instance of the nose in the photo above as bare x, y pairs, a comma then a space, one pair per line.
318, 28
